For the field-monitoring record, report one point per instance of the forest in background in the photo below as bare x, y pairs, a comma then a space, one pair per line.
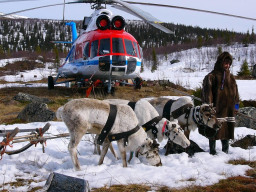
32, 37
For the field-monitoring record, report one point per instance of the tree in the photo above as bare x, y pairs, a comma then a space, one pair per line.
244, 70
155, 63
57, 58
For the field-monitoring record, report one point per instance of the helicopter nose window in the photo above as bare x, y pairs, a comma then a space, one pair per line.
104, 46
94, 48
117, 45
135, 45
129, 47
86, 50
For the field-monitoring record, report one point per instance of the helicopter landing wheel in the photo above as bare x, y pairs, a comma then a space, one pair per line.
50, 83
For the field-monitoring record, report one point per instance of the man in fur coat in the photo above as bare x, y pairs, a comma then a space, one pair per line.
220, 88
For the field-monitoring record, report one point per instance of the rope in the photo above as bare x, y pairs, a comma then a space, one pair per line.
5, 143
40, 135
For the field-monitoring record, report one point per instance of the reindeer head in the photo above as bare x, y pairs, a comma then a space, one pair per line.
208, 113
149, 152
174, 132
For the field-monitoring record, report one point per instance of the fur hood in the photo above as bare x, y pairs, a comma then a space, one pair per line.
218, 65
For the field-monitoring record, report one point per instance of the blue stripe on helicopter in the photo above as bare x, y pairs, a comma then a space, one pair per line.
96, 62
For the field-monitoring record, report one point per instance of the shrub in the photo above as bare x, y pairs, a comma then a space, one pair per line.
244, 70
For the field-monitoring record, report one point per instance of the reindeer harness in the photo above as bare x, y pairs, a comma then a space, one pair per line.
109, 124
185, 109
150, 125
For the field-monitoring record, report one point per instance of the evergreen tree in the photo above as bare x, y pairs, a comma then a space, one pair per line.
246, 39
155, 62
219, 50
244, 70
57, 58
199, 41
252, 37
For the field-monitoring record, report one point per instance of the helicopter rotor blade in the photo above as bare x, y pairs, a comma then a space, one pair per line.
192, 9
142, 15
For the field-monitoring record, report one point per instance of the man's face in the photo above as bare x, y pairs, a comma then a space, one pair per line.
226, 64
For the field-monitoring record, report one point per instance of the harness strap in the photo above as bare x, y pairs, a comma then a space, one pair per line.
181, 110
152, 125
110, 121
163, 128
167, 109
125, 135
132, 105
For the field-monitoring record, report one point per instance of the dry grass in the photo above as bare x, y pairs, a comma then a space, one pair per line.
19, 183
10, 108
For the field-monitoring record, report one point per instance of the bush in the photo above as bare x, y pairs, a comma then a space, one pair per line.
244, 70
197, 93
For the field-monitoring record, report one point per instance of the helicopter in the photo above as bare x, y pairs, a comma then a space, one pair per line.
104, 51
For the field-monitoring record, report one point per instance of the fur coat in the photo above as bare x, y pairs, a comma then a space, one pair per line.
220, 88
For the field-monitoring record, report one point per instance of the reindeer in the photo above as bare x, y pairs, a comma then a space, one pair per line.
156, 127
92, 116
188, 115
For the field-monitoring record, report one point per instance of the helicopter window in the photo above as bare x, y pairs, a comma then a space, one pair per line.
86, 50
129, 47
136, 48
94, 48
104, 46
71, 54
117, 45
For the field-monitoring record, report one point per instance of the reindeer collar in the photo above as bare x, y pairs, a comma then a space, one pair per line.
151, 125
197, 116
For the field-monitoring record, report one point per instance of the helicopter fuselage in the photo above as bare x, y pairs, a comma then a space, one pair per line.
103, 54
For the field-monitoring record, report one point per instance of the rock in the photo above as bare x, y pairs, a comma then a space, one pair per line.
242, 121
247, 141
36, 112
31, 98
172, 148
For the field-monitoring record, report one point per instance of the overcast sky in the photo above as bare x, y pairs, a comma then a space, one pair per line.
77, 12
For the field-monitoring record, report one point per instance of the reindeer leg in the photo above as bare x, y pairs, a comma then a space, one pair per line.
96, 151
130, 157
75, 138
104, 151
113, 151
120, 144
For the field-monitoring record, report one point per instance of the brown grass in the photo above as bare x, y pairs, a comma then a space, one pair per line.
20, 183
10, 108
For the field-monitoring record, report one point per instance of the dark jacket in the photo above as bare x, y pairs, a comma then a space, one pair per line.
221, 90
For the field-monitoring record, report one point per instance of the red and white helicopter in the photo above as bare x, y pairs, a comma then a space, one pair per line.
104, 50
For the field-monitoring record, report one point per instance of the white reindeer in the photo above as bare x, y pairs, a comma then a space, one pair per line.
157, 127
145, 112
188, 115
90, 115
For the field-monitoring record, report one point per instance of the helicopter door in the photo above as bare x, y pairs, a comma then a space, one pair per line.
104, 61
131, 61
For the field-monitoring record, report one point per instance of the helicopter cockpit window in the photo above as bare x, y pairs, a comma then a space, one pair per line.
94, 48
71, 54
86, 50
135, 45
129, 47
104, 46
117, 45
